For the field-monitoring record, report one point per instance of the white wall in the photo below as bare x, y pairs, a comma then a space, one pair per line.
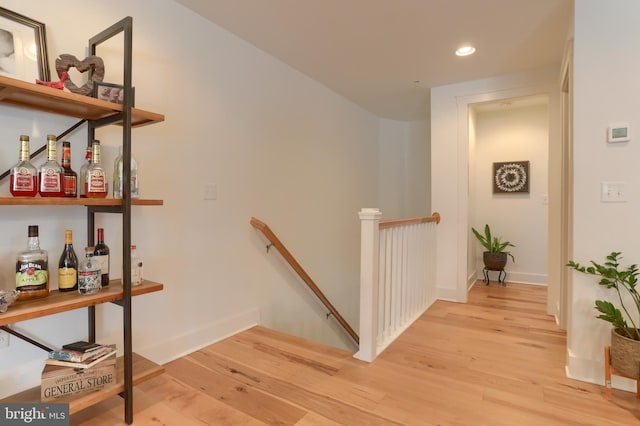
606, 90
279, 146
404, 179
517, 133
450, 161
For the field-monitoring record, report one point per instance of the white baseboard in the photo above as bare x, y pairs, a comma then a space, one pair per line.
193, 340
448, 294
592, 371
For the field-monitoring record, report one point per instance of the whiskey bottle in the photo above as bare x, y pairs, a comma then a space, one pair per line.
24, 176
70, 180
68, 265
51, 174
88, 273
95, 185
101, 256
32, 268
83, 171
118, 177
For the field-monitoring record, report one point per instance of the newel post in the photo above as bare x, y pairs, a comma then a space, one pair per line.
369, 259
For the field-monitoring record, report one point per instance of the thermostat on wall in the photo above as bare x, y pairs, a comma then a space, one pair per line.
618, 133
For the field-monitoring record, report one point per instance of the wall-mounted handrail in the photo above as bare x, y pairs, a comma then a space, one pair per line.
275, 242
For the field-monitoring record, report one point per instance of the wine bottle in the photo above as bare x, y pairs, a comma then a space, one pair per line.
88, 273
95, 185
70, 181
51, 174
68, 265
24, 176
101, 255
32, 268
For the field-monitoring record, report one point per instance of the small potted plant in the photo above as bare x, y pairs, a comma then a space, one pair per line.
625, 337
495, 255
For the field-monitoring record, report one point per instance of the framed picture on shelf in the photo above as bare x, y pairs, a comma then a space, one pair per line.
23, 47
511, 177
111, 92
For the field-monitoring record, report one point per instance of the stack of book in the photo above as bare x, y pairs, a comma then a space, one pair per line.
77, 368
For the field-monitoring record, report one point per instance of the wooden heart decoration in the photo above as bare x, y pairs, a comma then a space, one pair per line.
90, 63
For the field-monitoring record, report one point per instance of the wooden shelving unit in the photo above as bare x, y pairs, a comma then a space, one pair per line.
132, 368
58, 302
42, 98
63, 201
143, 370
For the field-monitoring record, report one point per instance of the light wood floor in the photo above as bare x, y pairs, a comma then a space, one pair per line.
497, 360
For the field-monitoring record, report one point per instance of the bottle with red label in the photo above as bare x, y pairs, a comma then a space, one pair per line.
70, 180
95, 184
51, 173
24, 176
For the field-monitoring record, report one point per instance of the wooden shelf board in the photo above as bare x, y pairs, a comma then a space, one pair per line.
58, 302
67, 201
143, 370
30, 95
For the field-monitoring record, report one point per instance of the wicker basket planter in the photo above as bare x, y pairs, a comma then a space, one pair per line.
625, 354
494, 261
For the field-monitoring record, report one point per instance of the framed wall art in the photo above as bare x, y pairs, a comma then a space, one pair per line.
23, 47
511, 177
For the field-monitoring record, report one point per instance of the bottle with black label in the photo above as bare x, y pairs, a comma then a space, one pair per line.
32, 268
68, 265
101, 256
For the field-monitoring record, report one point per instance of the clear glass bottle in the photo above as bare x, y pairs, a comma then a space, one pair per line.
101, 255
88, 273
95, 185
70, 180
136, 267
51, 173
83, 171
32, 268
24, 176
68, 265
118, 176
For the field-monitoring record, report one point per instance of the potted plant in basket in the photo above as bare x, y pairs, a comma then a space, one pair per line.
625, 337
495, 255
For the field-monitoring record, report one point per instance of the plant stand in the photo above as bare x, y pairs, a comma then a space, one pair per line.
609, 370
501, 277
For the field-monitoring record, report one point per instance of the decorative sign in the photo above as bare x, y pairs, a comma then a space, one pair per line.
511, 177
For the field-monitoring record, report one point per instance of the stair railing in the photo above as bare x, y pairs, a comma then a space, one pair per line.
288, 257
397, 277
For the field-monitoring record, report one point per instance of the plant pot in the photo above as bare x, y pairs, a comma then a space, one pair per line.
625, 354
494, 261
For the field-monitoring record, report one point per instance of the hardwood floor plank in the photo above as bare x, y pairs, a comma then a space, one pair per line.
498, 360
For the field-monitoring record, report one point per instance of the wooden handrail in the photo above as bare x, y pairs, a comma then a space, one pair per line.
435, 217
275, 241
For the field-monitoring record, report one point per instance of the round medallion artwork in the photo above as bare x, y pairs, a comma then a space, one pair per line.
511, 177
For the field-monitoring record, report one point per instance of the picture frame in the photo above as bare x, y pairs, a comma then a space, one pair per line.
511, 177
23, 47
111, 92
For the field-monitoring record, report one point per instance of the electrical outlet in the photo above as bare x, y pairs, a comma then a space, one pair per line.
4, 339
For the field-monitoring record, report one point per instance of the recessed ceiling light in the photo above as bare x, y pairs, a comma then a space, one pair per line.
465, 51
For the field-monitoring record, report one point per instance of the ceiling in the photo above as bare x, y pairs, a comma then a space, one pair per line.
385, 55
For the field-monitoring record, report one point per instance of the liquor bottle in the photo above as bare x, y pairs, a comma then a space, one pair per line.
101, 256
68, 265
32, 268
136, 267
51, 174
83, 171
24, 176
88, 273
95, 185
70, 181
118, 177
